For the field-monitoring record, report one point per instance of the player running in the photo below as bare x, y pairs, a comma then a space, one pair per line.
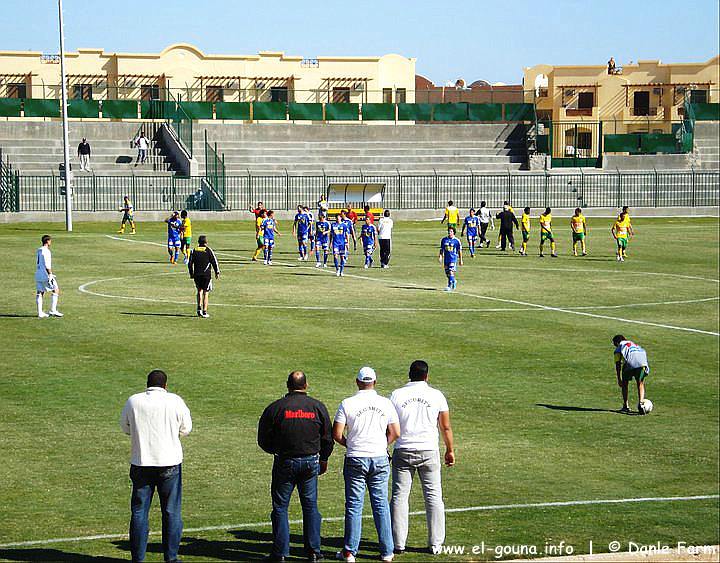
128, 216
452, 216
301, 229
471, 225
174, 224
322, 240
622, 231
201, 264
546, 233
450, 256
579, 227
486, 220
525, 230
185, 235
339, 232
45, 280
631, 362
368, 234
269, 230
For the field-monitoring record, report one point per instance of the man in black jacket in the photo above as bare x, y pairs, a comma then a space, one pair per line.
201, 265
297, 431
507, 220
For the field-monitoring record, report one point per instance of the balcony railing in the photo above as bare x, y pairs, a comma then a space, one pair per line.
575, 112
644, 111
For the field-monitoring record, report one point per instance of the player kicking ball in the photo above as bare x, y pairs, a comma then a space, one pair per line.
368, 234
450, 256
174, 224
631, 362
45, 280
201, 265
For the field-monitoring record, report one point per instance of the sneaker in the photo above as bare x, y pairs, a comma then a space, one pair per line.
42, 315
399, 550
337, 273
55, 314
185, 261
300, 259
365, 266
541, 256
622, 259
387, 557
269, 262
584, 253
265, 262
253, 259
617, 258
342, 274
318, 265
574, 253
625, 410
132, 232
324, 265
553, 255
205, 315
448, 288
498, 246
199, 313
120, 232
344, 555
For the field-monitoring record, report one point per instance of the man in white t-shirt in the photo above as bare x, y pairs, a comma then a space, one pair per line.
385, 227
486, 220
366, 424
421, 410
45, 280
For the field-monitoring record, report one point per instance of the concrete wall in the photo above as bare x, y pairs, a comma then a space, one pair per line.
646, 162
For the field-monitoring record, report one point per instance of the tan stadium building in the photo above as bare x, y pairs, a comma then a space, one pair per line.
186, 72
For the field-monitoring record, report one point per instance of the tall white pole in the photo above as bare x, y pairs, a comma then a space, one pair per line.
66, 147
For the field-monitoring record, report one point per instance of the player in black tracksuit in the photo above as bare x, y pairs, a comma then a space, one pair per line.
507, 220
201, 265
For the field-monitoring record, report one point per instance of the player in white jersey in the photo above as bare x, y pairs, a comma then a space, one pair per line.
631, 362
45, 279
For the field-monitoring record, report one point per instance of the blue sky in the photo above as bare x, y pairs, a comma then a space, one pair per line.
469, 39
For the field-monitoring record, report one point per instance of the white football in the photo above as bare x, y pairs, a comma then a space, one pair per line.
646, 406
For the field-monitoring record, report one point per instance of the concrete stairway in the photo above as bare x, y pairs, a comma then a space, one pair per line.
35, 148
272, 149
707, 144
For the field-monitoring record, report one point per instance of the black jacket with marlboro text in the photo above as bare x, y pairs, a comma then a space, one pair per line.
296, 426
202, 259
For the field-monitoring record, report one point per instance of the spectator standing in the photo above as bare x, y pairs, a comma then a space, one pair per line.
350, 214
421, 410
486, 219
366, 424
83, 152
201, 265
507, 222
385, 227
143, 145
297, 431
155, 420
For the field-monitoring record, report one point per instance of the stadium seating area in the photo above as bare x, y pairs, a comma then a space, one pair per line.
707, 144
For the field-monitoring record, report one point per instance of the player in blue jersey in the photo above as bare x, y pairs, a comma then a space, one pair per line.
368, 234
301, 228
451, 257
339, 232
174, 224
322, 240
470, 229
351, 232
269, 228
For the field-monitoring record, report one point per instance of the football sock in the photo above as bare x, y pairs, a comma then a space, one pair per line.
335, 259
269, 254
39, 299
317, 255
552, 247
582, 245
325, 257
342, 264
177, 253
54, 302
265, 254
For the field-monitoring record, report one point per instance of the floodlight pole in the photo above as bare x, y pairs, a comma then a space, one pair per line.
66, 148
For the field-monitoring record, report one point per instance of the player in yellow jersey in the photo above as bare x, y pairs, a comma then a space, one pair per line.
525, 230
622, 231
579, 227
128, 216
260, 217
546, 232
452, 216
185, 235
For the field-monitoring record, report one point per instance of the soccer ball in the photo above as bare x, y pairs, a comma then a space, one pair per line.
646, 406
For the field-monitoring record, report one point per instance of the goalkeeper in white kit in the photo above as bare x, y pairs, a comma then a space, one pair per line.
45, 280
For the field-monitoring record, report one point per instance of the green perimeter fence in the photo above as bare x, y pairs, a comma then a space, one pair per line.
158, 193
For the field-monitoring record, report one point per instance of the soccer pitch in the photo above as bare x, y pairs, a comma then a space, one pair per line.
522, 351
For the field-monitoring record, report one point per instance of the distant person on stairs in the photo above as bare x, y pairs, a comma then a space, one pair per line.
83, 152
143, 145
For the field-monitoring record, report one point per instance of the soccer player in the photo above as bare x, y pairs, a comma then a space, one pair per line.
269, 229
368, 234
322, 240
258, 208
311, 222
486, 219
351, 231
471, 224
622, 231
350, 214
546, 232
452, 216
202, 260
631, 362
45, 280
128, 216
301, 229
185, 235
259, 234
369, 213
174, 224
450, 256
525, 230
579, 227
339, 232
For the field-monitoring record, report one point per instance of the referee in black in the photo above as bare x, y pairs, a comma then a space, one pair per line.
297, 431
507, 221
201, 265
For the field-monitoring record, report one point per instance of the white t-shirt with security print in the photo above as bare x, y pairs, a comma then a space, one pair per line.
366, 416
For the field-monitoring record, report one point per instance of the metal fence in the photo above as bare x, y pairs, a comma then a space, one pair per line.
157, 193
9, 183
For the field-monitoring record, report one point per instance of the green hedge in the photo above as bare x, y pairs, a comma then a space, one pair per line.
485, 112
378, 112
10, 107
450, 112
664, 143
305, 112
157, 109
628, 142
42, 108
232, 110
270, 110
341, 112
415, 112
120, 109
198, 110
83, 108
519, 112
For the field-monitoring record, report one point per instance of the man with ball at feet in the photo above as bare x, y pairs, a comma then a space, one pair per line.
631, 363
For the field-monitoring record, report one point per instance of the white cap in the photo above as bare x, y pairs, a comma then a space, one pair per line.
366, 375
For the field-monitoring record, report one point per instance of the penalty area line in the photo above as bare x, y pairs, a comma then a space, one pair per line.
482, 508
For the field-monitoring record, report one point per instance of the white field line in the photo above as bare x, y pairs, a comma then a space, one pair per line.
484, 508
510, 301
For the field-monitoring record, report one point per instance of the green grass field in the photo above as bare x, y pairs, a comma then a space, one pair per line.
522, 351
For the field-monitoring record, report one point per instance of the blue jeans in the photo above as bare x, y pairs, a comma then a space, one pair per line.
288, 473
168, 482
372, 473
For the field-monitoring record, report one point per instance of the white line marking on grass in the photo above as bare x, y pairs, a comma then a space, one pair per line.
483, 508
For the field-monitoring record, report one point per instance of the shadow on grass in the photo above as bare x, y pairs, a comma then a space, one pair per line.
580, 409
16, 316
412, 288
43, 554
138, 314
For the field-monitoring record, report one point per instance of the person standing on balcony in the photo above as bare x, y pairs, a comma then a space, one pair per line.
143, 145
83, 152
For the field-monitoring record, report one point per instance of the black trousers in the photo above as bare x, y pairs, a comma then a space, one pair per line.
384, 251
505, 237
483, 230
